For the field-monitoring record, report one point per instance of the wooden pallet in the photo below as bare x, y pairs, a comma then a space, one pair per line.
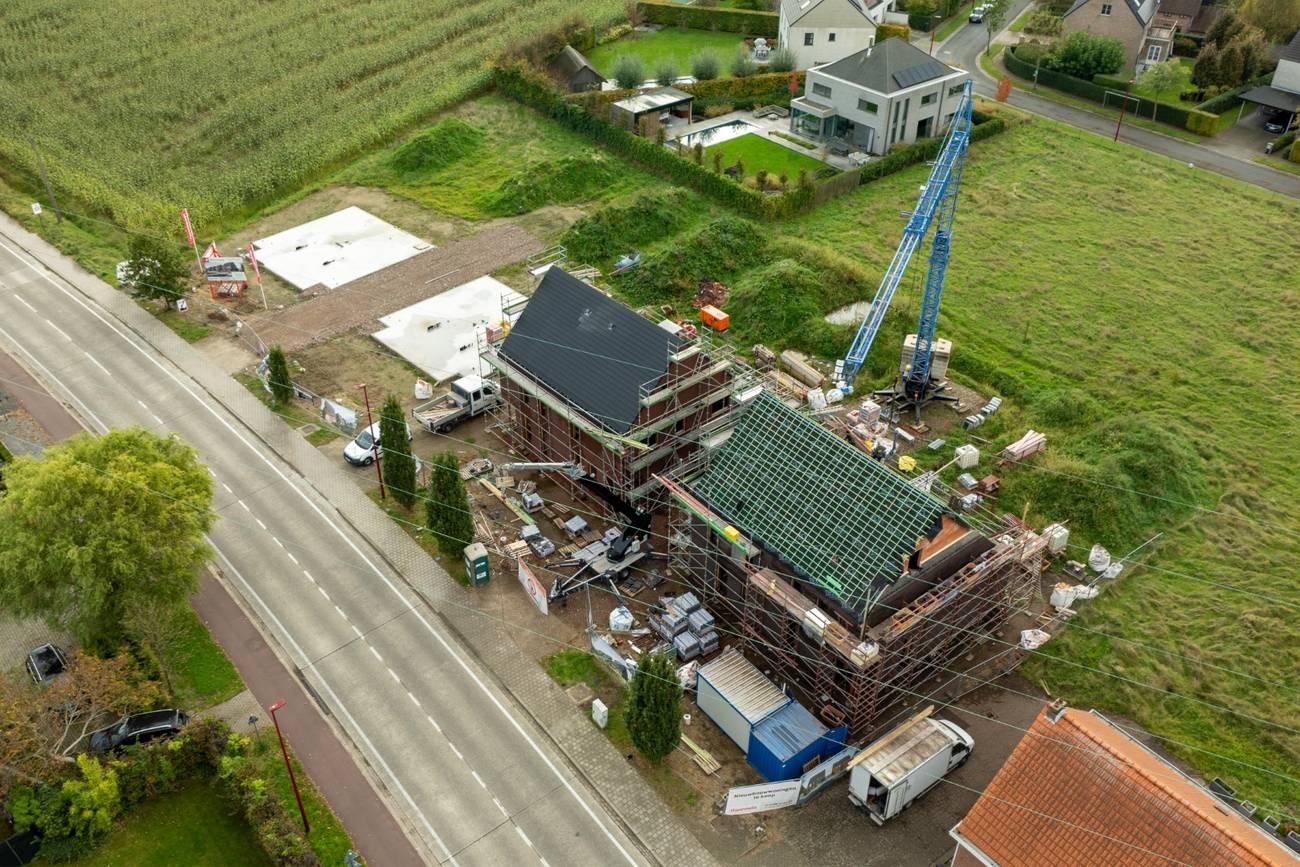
702, 757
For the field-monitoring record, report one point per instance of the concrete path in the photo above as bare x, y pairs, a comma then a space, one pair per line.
390, 643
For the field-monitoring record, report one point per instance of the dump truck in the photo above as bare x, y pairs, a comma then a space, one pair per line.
468, 397
894, 771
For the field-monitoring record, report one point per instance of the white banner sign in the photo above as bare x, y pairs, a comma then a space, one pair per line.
532, 586
758, 799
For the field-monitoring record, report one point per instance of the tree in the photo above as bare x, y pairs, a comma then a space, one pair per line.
705, 66
160, 628
155, 269
666, 71
1084, 55
697, 153
99, 524
654, 707
628, 72
1224, 29
395, 449
1004, 88
447, 509
1205, 71
995, 15
44, 728
277, 377
1162, 77
1277, 19
93, 800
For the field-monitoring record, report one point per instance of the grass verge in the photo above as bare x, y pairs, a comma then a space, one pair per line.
203, 675
187, 328
1282, 165
293, 413
412, 523
192, 826
949, 27
328, 837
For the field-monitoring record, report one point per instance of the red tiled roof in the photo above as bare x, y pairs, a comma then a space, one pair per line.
1081, 792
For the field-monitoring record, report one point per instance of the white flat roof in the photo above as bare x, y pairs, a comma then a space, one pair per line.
439, 335
336, 249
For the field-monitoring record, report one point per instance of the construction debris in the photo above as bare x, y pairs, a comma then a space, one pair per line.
702, 757
1027, 446
800, 369
711, 293
764, 358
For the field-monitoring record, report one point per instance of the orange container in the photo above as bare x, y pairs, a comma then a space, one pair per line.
714, 318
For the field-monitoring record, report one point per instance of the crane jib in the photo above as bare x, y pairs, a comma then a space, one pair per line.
936, 204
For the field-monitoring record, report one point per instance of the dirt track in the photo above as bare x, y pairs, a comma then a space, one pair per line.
363, 301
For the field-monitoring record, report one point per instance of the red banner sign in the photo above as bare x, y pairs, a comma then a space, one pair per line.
252, 257
189, 230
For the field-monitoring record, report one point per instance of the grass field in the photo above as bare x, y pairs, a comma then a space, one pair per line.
758, 153
671, 43
138, 114
193, 826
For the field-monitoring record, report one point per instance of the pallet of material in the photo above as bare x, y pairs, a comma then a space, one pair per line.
702, 757
1028, 445
518, 549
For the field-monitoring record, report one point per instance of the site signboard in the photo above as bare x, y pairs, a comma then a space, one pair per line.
761, 798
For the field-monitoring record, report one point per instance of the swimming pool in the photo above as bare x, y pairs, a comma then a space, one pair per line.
718, 133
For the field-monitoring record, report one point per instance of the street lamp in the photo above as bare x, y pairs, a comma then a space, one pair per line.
293, 781
374, 440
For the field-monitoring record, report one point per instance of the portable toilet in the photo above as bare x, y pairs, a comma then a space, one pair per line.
476, 564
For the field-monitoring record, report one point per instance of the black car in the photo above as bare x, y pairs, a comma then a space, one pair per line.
1276, 120
138, 728
46, 663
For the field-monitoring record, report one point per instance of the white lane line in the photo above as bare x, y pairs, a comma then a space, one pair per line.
433, 722
499, 807
23, 302
245, 505
375, 652
289, 554
338, 703
473, 773
62, 333
228, 490
359, 633
540, 858
456, 751
340, 611
415, 701
393, 674
72, 396
309, 578
259, 522
157, 419
523, 836
347, 539
277, 541
318, 587
143, 405
95, 361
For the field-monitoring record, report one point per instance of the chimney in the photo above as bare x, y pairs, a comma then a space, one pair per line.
1054, 711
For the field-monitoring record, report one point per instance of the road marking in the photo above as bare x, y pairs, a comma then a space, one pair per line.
62, 333
523, 836
309, 578
259, 522
157, 419
245, 505
394, 676
375, 652
72, 396
456, 751
433, 722
499, 807
347, 539
473, 773
276, 540
359, 633
318, 587
95, 361
21, 301
289, 554
413, 699
228, 490
340, 611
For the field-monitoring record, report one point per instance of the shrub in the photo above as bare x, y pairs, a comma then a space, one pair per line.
628, 71
1202, 123
700, 17
742, 65
572, 178
627, 223
705, 66
1043, 23
654, 707
718, 109
1115, 82
1185, 46
666, 72
719, 250
436, 147
781, 60
277, 377
1084, 55
888, 30
1294, 154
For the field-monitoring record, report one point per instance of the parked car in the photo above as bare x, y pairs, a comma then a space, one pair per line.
977, 14
1276, 120
360, 452
138, 728
46, 663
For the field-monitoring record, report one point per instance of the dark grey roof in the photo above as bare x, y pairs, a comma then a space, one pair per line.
1142, 11
1292, 51
588, 348
796, 9
570, 62
888, 66
1273, 98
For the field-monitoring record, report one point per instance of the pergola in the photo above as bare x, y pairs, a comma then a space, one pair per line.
1272, 97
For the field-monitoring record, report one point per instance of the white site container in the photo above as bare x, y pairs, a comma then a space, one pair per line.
967, 456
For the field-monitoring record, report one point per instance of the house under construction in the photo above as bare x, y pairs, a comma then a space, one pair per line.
588, 381
843, 580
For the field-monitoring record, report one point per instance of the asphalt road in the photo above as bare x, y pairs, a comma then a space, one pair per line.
963, 49
476, 781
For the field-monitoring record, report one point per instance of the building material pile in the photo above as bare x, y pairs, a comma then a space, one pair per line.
1027, 446
711, 293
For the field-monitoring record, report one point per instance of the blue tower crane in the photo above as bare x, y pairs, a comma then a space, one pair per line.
936, 207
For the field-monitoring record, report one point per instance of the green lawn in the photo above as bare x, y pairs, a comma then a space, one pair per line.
193, 826
671, 43
1169, 94
204, 676
958, 18
759, 153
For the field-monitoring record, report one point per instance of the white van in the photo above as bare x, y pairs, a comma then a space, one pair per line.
905, 764
360, 452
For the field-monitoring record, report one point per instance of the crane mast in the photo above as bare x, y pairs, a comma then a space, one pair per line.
937, 207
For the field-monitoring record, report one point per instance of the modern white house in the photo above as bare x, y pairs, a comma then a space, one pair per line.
823, 31
890, 93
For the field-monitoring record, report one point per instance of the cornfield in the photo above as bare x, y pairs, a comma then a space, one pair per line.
222, 105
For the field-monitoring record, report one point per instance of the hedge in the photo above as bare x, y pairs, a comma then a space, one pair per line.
1232, 98
1294, 154
744, 21
1095, 90
887, 30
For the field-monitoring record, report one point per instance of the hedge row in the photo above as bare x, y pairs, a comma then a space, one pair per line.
1231, 99
744, 21
1196, 120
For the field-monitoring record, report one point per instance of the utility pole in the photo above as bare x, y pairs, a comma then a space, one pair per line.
934, 19
374, 442
293, 781
1123, 105
45, 178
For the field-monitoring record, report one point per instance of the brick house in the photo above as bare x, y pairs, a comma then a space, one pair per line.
1148, 38
1079, 790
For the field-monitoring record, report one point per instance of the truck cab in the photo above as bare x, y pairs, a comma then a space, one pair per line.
468, 397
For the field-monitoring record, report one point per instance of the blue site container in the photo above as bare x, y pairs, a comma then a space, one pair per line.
788, 739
